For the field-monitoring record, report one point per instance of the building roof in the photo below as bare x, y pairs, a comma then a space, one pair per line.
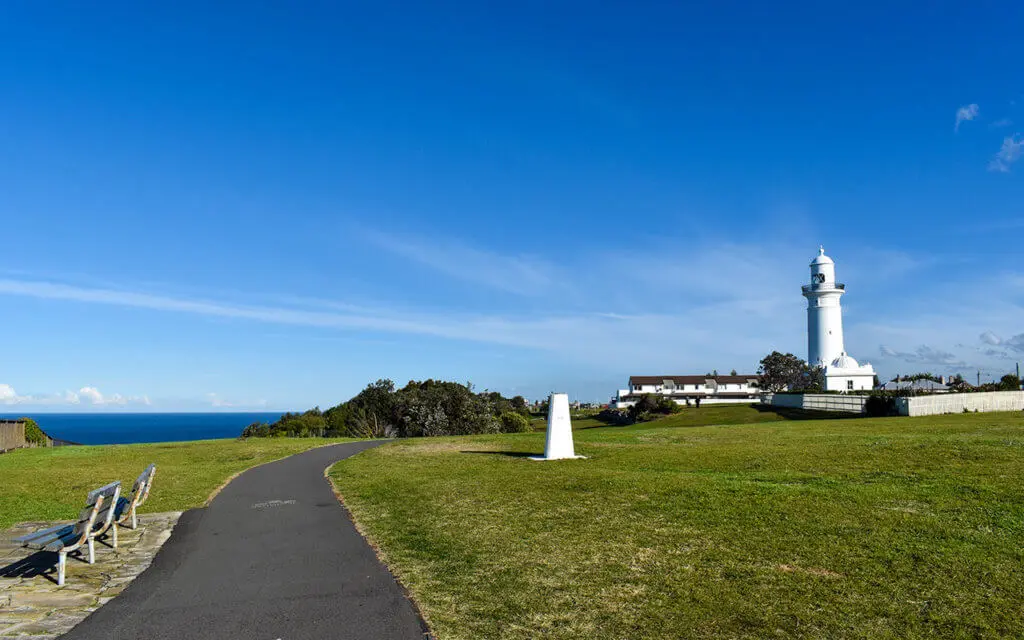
845, 361
915, 385
643, 380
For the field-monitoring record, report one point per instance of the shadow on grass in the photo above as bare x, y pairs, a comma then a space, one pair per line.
510, 454
803, 414
605, 425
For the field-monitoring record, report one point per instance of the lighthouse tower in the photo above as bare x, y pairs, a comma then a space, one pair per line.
825, 346
824, 315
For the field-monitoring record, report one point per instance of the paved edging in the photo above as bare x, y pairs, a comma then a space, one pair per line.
31, 603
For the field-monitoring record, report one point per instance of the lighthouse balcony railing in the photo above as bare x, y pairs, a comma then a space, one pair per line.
827, 286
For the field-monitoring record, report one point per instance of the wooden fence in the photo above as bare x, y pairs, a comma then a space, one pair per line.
12, 435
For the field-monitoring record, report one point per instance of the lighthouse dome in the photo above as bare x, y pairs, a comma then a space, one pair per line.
845, 362
821, 258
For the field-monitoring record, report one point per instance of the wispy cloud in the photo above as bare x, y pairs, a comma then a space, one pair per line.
967, 112
1000, 123
518, 274
593, 336
716, 305
925, 355
1008, 154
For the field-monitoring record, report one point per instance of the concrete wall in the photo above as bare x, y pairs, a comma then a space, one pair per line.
816, 402
957, 402
12, 435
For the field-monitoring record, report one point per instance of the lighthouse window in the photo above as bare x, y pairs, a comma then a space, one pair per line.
849, 385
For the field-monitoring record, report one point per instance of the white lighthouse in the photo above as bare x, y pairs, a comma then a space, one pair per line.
825, 346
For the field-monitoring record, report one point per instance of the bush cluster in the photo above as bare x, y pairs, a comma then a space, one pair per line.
880, 404
617, 417
33, 433
428, 408
648, 407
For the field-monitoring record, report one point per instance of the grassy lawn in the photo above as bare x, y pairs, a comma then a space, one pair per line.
867, 528
50, 484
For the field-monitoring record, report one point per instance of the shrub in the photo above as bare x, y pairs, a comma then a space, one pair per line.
878, 405
668, 406
428, 408
618, 417
256, 430
512, 422
33, 433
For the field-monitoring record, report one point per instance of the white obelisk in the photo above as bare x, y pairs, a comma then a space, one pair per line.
559, 441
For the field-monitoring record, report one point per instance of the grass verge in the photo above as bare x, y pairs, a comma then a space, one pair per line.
50, 484
866, 528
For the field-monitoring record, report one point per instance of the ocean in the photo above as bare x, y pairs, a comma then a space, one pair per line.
127, 428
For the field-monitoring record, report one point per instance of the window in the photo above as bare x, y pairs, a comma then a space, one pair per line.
849, 385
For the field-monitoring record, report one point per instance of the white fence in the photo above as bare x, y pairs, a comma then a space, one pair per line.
816, 402
959, 402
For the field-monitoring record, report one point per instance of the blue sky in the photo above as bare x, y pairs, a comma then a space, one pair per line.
255, 205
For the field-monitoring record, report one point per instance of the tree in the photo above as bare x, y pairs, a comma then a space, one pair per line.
782, 371
812, 380
733, 372
1009, 382
519, 405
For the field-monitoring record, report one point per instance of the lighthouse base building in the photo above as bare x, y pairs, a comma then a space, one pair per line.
846, 374
825, 331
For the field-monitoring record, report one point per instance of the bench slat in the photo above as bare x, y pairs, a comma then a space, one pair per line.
38, 542
87, 512
42, 533
148, 473
67, 540
105, 490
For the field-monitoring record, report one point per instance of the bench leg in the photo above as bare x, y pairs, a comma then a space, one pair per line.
135, 523
92, 551
62, 561
115, 534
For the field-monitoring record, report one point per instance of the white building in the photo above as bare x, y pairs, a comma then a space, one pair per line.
825, 331
687, 390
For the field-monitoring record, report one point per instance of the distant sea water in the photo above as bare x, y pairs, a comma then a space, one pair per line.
127, 428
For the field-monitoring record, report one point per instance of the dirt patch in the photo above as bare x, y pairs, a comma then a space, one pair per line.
814, 571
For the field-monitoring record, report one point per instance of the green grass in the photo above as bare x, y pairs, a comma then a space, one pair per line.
861, 528
51, 484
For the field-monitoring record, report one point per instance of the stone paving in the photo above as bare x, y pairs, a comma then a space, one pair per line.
31, 603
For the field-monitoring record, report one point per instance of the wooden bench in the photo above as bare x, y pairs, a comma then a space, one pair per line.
94, 519
125, 510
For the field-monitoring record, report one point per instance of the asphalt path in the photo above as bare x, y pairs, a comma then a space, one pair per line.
274, 556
